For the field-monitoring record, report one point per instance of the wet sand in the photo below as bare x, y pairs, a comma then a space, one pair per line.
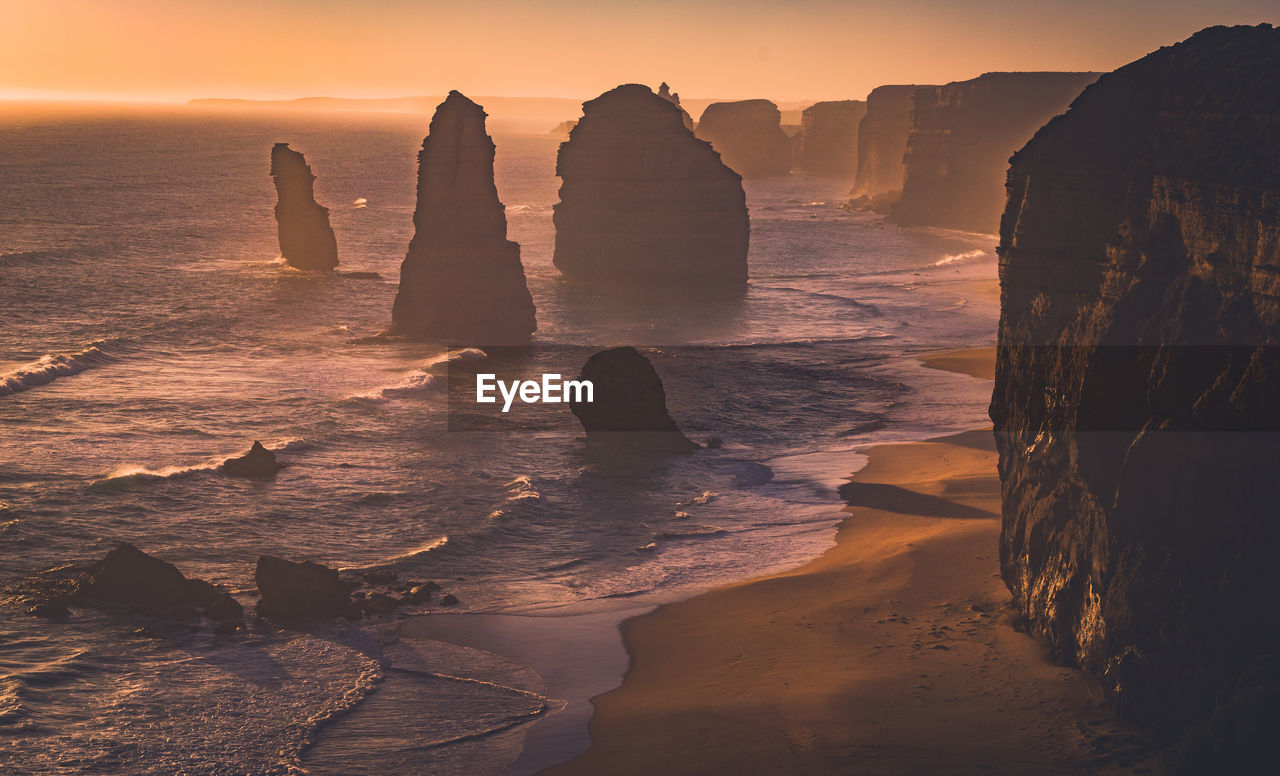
895, 652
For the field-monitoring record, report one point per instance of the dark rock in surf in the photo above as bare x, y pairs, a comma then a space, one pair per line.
630, 404
224, 608
128, 576
962, 135
1136, 384
461, 282
301, 591
306, 239
828, 139
258, 462
448, 599
645, 205
748, 134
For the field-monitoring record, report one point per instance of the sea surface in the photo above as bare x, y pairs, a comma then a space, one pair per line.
149, 331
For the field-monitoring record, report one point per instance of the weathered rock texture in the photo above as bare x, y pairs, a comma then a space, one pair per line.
301, 591
629, 403
644, 203
962, 136
462, 282
1137, 397
748, 134
828, 139
882, 142
306, 239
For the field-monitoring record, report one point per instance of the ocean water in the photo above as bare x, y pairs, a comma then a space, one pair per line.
150, 331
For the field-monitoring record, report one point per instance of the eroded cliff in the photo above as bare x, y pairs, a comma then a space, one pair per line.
828, 139
644, 203
748, 134
461, 282
1137, 397
306, 239
962, 135
882, 142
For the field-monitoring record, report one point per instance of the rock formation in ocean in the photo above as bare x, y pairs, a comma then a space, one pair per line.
301, 591
629, 403
306, 239
828, 139
882, 142
748, 134
962, 135
1137, 396
645, 204
130, 577
258, 462
462, 282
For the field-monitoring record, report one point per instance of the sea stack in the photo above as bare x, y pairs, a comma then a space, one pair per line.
882, 142
1136, 391
629, 403
646, 205
828, 140
462, 282
748, 134
962, 135
306, 239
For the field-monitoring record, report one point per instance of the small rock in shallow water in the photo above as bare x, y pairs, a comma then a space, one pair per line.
258, 462
379, 577
448, 599
225, 608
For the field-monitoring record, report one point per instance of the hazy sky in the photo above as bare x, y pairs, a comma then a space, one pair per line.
802, 49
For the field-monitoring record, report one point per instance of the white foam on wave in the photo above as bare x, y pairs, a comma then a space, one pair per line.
138, 472
956, 258
50, 367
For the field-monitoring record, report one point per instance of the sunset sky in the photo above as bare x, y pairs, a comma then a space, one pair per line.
174, 50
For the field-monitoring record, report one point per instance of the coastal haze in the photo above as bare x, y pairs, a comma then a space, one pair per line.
253, 257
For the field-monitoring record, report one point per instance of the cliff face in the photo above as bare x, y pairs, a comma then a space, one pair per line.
828, 139
306, 239
645, 203
1137, 397
462, 282
962, 136
882, 141
748, 134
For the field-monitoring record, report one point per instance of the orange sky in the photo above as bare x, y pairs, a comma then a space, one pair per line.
803, 49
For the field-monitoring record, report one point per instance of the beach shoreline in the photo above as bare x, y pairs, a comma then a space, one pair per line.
894, 652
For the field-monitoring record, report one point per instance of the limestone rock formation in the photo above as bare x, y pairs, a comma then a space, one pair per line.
645, 204
462, 282
629, 405
563, 128
1136, 399
130, 577
306, 239
301, 591
258, 462
828, 139
748, 134
962, 135
882, 142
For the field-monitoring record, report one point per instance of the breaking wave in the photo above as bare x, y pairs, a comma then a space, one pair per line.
50, 367
956, 258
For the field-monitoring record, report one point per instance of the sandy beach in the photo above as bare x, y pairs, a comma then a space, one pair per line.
895, 652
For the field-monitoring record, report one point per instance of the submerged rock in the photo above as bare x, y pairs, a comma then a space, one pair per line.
1136, 390
306, 239
462, 282
630, 404
646, 204
301, 591
128, 576
258, 462
748, 134
828, 139
882, 142
962, 135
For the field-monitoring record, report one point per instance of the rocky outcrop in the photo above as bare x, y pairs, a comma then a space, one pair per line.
629, 404
128, 576
646, 205
306, 239
828, 139
882, 142
1136, 390
962, 135
301, 591
462, 282
563, 128
258, 462
665, 93
748, 134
